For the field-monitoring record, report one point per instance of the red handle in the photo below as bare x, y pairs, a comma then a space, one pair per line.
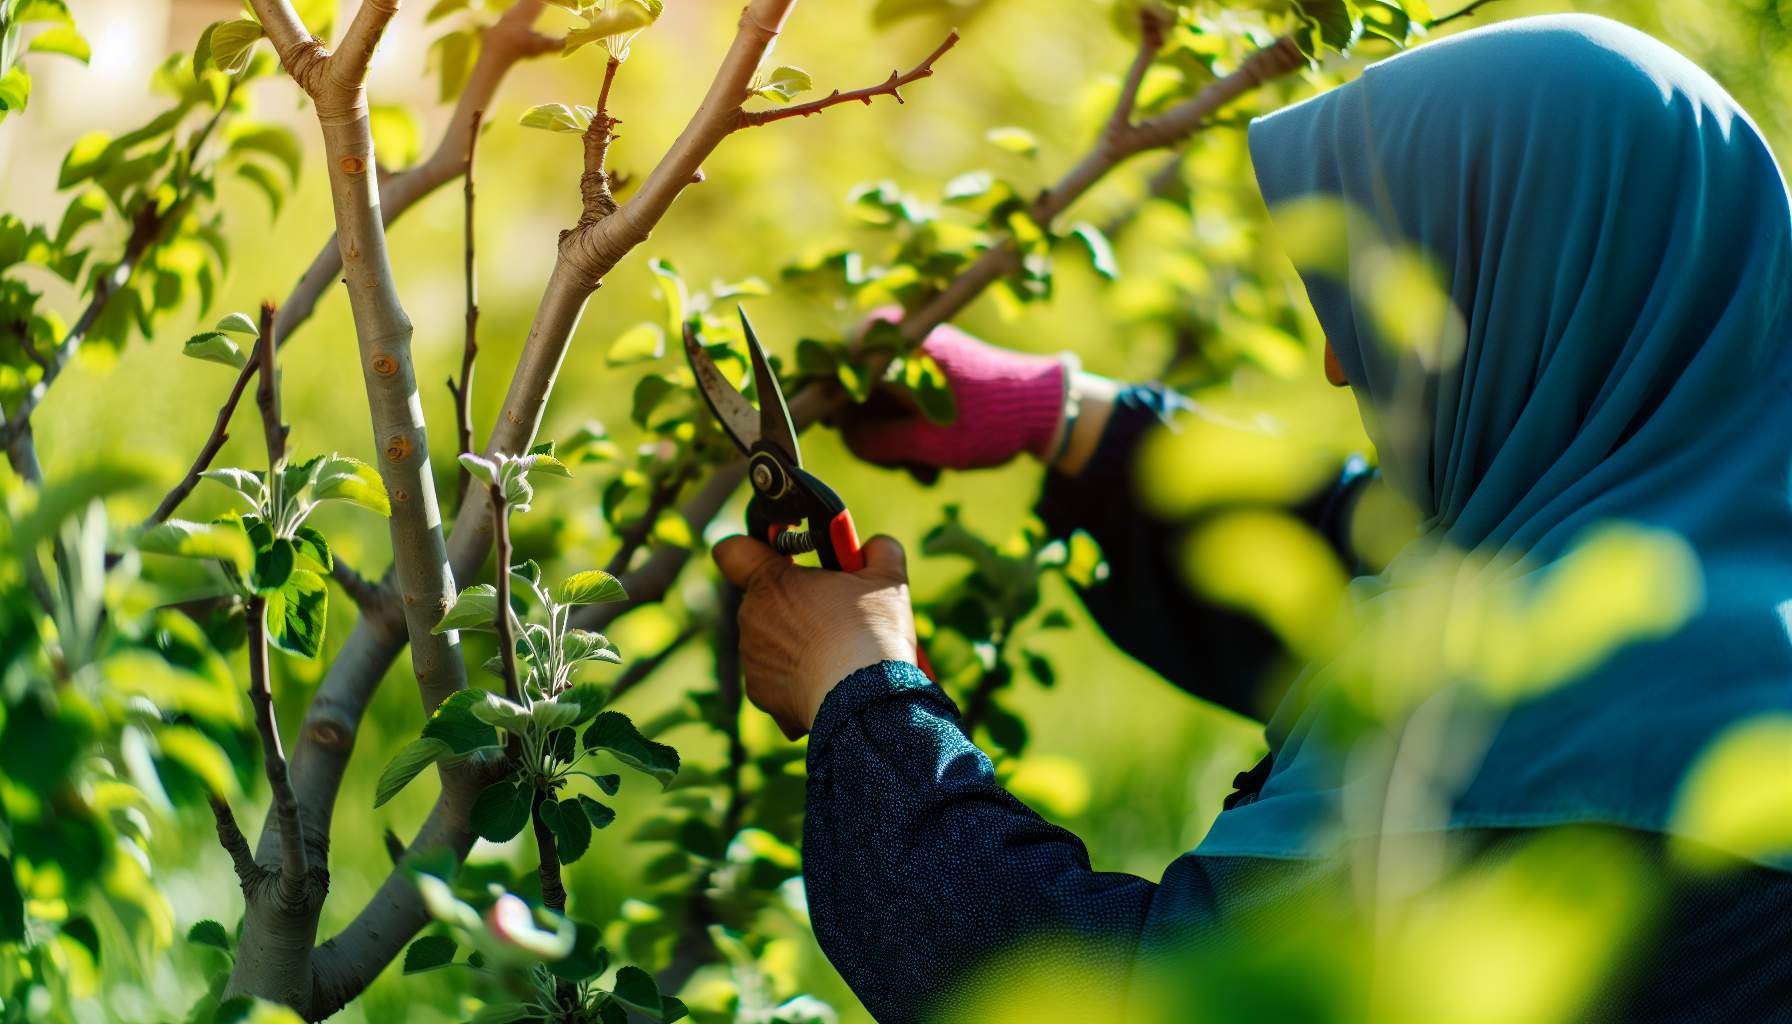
852, 558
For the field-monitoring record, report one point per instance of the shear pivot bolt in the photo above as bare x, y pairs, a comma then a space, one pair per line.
762, 477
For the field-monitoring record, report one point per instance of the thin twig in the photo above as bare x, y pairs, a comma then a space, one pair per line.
595, 196
1151, 40
463, 392
888, 87
267, 392
636, 534
553, 890
1465, 12
230, 836
501, 618
367, 595
213, 444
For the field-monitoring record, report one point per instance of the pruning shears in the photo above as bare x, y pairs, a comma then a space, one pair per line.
791, 508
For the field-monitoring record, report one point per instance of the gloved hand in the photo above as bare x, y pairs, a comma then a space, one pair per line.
1008, 403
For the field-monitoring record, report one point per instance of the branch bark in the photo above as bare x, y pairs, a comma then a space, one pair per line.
463, 392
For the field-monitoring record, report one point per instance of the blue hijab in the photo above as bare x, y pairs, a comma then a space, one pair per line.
1614, 238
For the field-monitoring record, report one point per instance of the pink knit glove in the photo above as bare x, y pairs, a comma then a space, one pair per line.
1008, 403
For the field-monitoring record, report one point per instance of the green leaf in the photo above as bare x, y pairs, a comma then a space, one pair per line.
173, 688
545, 464
926, 381
556, 714
638, 344
313, 550
243, 483
598, 814
269, 140
783, 84
593, 586
475, 608
209, 933
572, 830
453, 56
233, 43
578, 645
608, 783
273, 566
341, 478
1015, 140
672, 292
456, 722
442, 9
650, 390
397, 135
501, 712
614, 732
298, 613
558, 117
62, 39
238, 323
636, 989
502, 1013
1101, 251
214, 347
264, 180
15, 89
183, 539
501, 811
90, 154
406, 764
12, 904
1041, 669
479, 467
429, 953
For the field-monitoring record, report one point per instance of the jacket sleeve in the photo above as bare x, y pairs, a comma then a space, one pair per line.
1144, 606
918, 866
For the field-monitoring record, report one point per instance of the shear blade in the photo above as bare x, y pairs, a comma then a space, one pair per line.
774, 416
737, 415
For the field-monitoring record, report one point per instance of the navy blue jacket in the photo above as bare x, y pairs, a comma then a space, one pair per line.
918, 864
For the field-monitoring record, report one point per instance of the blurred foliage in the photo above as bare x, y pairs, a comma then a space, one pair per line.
119, 650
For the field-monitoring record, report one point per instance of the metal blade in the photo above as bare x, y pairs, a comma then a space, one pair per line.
738, 417
774, 416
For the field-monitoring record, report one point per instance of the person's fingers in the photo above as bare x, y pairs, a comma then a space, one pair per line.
742, 558
886, 553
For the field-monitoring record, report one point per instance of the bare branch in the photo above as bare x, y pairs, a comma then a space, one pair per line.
888, 87
293, 867
501, 617
230, 836
368, 596
209, 451
1465, 12
1151, 40
463, 392
507, 41
348, 65
267, 392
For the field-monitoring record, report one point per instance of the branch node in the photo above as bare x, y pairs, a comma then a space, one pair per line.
888, 87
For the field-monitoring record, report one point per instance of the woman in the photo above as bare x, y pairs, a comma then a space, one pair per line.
1614, 237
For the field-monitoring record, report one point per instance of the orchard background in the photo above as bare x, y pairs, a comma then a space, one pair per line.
1164, 270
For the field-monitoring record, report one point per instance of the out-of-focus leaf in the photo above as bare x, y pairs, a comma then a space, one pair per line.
638, 344
417, 755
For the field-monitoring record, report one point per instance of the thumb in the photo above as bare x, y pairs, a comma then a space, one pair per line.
742, 558
885, 554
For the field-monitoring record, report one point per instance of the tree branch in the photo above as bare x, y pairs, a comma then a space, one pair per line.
513, 689
888, 87
230, 836
651, 581
463, 393
267, 392
209, 451
368, 596
507, 41
349, 62
1151, 40
553, 890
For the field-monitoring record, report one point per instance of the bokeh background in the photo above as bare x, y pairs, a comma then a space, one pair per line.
1119, 756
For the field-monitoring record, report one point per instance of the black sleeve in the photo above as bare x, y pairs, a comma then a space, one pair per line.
1144, 605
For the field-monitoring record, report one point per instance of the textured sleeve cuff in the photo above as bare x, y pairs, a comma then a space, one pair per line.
870, 686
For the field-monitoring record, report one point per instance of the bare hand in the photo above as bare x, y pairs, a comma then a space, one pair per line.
803, 630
